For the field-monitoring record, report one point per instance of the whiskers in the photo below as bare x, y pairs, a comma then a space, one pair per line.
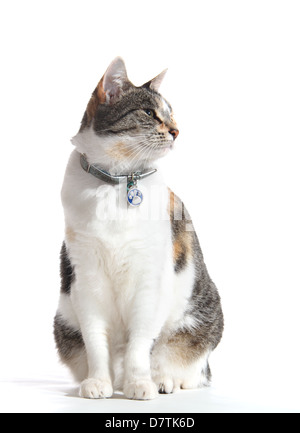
121, 153
138, 154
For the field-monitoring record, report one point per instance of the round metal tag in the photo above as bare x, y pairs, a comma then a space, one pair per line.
135, 197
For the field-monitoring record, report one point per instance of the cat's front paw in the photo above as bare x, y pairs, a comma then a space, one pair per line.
142, 389
96, 388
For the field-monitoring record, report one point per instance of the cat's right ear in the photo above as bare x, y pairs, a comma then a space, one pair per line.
113, 82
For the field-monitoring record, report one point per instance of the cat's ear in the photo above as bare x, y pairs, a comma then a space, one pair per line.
113, 83
156, 82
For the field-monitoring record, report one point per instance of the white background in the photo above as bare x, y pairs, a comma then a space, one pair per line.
234, 84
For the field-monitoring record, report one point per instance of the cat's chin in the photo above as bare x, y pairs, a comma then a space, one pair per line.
128, 167
165, 150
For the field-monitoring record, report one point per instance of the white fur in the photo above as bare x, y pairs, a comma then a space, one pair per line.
171, 376
166, 107
126, 292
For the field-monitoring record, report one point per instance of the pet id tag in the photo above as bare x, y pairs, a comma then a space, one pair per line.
134, 195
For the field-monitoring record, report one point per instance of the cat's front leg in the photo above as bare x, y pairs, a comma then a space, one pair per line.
138, 383
94, 329
145, 323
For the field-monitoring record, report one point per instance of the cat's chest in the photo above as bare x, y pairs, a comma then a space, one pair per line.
130, 234
100, 211
111, 210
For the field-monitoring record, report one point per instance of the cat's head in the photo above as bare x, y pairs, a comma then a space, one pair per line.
126, 127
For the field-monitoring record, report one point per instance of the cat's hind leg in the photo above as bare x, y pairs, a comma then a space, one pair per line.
71, 348
67, 334
180, 362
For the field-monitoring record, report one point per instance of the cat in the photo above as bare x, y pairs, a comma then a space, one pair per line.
138, 311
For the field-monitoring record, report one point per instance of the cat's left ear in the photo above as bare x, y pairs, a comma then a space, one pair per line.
114, 82
156, 82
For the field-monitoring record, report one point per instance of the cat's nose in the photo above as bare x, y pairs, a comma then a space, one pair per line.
174, 133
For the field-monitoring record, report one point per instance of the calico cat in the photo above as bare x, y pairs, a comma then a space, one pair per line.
138, 311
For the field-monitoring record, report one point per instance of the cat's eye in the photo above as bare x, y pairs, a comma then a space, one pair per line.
150, 113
